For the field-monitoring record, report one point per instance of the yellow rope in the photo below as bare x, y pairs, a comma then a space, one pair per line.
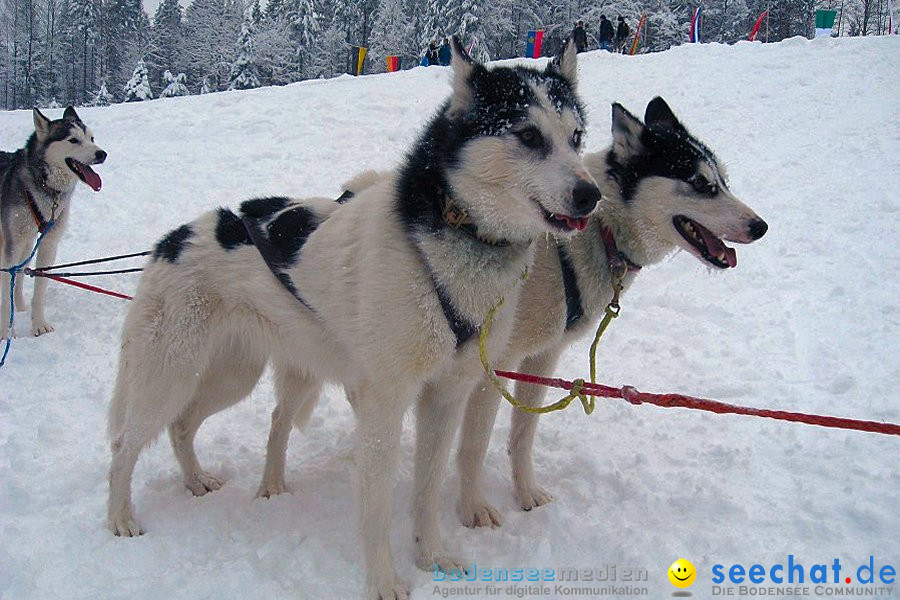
587, 402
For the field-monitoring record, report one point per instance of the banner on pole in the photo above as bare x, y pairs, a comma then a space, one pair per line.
393, 63
359, 59
695, 25
757, 25
825, 22
637, 35
533, 45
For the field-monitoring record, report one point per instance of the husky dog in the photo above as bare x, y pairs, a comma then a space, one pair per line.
382, 296
36, 184
663, 190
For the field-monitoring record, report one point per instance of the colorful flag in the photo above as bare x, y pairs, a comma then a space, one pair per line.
824, 22
637, 34
533, 46
757, 25
393, 63
359, 59
695, 25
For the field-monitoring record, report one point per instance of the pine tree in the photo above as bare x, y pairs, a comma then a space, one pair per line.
244, 75
138, 87
102, 97
392, 33
175, 85
166, 39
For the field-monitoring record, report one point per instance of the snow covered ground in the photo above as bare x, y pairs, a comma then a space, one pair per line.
809, 321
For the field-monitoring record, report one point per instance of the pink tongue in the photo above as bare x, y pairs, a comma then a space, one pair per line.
90, 177
573, 223
715, 246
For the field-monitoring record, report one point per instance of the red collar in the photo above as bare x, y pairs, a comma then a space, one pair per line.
617, 259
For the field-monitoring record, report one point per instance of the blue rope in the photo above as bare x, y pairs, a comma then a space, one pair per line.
13, 271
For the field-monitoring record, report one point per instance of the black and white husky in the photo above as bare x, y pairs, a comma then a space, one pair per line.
663, 190
36, 184
383, 296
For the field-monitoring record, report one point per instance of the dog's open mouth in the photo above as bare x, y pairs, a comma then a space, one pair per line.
85, 173
709, 247
564, 222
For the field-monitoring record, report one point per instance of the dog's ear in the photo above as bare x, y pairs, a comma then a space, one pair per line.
71, 115
463, 70
41, 125
660, 116
566, 63
627, 130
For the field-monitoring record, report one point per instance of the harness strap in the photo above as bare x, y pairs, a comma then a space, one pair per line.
39, 220
574, 308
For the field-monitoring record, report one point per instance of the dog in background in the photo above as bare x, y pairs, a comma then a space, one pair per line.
36, 185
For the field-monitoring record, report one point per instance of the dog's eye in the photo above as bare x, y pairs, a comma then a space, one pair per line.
703, 185
73, 140
531, 137
576, 138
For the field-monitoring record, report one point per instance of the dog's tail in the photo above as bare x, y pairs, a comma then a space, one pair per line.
364, 180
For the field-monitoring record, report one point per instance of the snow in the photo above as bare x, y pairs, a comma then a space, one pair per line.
809, 321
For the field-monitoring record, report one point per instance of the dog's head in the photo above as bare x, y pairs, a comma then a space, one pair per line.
674, 189
67, 146
515, 139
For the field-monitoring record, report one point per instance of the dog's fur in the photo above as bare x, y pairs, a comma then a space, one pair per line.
52, 162
653, 173
381, 296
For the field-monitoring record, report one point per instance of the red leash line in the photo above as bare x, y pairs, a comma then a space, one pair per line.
85, 286
681, 401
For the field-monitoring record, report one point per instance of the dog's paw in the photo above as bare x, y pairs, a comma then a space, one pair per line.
203, 482
479, 514
394, 590
443, 562
124, 525
268, 489
532, 496
39, 328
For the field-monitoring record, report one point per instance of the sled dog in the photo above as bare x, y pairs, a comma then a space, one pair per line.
36, 185
663, 190
384, 296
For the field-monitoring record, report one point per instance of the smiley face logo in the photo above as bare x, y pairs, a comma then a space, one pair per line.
682, 573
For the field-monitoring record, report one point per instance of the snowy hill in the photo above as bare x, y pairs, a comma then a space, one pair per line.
809, 321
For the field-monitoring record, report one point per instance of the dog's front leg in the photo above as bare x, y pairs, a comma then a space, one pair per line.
46, 254
379, 412
481, 412
439, 411
521, 436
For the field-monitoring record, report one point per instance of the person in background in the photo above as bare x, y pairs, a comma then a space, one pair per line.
444, 53
607, 33
622, 33
580, 37
432, 55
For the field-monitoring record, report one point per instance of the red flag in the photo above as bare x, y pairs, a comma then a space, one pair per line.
757, 25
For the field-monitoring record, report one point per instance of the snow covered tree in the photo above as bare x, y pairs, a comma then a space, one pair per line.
244, 75
207, 50
175, 85
166, 39
392, 33
138, 87
102, 97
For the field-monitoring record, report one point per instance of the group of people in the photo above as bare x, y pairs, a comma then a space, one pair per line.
611, 39
437, 55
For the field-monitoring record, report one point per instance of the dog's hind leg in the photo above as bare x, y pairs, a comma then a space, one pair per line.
521, 436
439, 410
379, 413
297, 396
46, 254
481, 412
231, 377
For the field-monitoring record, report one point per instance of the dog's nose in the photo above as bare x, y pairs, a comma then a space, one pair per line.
585, 197
758, 228
100, 155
